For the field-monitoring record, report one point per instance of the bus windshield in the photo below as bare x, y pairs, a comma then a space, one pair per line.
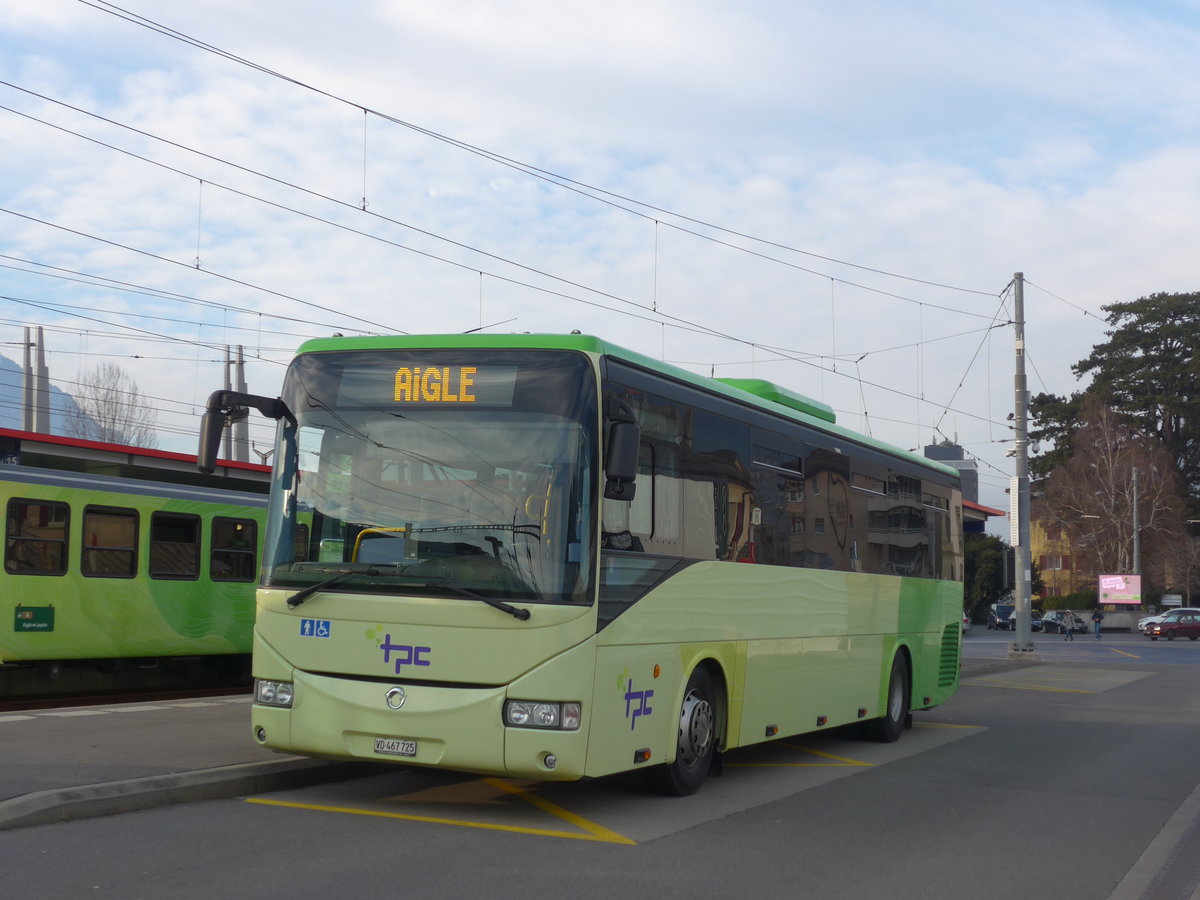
437, 473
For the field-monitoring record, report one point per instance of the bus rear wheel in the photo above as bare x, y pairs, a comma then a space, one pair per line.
888, 727
697, 740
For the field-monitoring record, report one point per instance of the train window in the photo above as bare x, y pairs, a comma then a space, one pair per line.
109, 542
174, 546
35, 539
234, 550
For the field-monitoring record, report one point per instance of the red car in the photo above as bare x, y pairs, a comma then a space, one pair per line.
1175, 624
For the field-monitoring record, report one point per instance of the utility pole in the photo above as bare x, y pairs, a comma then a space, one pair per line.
27, 389
241, 429
237, 435
227, 440
1137, 537
35, 399
1022, 570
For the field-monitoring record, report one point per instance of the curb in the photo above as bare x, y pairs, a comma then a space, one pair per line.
87, 801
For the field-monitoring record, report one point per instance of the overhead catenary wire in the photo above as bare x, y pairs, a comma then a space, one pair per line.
595, 193
90, 279
676, 321
651, 308
714, 332
166, 259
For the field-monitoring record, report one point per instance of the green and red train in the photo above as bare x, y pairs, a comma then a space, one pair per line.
117, 555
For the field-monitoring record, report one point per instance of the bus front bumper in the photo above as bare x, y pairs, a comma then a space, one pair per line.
457, 728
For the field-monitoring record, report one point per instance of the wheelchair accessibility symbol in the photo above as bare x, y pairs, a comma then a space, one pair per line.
314, 628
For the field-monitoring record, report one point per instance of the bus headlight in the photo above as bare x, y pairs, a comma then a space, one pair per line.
542, 714
273, 693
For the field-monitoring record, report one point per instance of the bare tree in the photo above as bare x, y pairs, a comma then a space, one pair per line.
1183, 561
1092, 497
112, 409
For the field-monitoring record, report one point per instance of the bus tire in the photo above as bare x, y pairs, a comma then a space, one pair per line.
888, 727
696, 743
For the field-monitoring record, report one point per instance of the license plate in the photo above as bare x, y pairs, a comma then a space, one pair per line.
395, 746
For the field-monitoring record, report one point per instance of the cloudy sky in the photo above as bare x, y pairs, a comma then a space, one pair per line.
834, 197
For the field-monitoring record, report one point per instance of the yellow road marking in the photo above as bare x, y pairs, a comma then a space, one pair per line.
838, 761
1022, 686
599, 831
1123, 653
592, 831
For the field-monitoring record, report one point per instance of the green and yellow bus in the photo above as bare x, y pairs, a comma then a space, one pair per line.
545, 556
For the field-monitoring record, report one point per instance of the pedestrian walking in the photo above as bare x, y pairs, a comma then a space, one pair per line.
1068, 624
1097, 618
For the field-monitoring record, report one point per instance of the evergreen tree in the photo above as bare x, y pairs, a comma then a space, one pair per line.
1148, 372
983, 572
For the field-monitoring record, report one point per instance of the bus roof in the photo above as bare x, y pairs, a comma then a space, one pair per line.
750, 391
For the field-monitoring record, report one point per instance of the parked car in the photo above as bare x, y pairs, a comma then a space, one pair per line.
966, 622
1176, 623
1004, 618
1054, 621
1000, 617
1147, 621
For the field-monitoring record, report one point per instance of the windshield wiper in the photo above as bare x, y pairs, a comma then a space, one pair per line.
341, 575
514, 611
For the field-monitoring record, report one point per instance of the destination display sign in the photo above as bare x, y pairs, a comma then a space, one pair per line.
456, 385
436, 384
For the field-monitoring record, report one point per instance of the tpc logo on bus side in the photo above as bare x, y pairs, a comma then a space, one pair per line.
406, 654
637, 703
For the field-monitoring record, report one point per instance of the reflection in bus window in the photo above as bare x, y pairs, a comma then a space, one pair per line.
779, 492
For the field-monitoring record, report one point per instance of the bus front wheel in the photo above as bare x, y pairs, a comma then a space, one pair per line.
888, 727
697, 740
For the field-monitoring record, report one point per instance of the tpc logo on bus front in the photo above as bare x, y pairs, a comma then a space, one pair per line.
405, 654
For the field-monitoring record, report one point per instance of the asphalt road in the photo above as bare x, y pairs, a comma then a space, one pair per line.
1073, 778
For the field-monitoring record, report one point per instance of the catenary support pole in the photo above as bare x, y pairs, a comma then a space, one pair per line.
1022, 572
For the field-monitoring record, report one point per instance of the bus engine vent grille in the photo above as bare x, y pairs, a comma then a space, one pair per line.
951, 647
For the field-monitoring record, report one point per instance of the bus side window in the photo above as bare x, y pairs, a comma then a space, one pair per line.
626, 522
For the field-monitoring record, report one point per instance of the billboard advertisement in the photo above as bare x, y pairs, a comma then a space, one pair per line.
1120, 589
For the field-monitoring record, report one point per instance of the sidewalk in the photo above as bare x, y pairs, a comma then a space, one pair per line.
78, 762
72, 763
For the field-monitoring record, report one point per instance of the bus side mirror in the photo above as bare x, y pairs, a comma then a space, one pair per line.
624, 440
224, 408
212, 429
